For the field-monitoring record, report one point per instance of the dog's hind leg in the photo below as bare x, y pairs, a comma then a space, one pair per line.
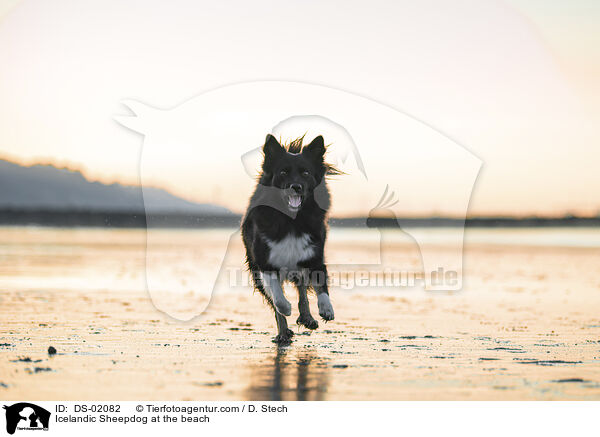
285, 335
305, 318
273, 287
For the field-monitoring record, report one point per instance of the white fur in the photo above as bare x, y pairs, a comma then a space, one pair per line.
288, 252
325, 308
273, 287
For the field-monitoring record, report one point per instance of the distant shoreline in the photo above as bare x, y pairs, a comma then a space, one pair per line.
100, 219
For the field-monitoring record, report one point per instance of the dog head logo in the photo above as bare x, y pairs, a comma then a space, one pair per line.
196, 147
26, 416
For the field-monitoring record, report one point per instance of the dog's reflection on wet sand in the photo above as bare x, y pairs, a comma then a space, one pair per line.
290, 375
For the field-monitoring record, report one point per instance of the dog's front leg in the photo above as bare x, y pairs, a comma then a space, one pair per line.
319, 283
273, 287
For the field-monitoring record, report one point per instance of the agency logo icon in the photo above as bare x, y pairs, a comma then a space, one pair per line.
212, 143
24, 416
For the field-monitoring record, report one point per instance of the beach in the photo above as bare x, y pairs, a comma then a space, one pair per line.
525, 326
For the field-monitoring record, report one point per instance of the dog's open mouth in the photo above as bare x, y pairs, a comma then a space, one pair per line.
294, 201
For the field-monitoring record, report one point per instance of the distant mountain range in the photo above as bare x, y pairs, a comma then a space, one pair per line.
47, 188
48, 196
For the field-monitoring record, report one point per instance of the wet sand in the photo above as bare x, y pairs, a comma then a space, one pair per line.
525, 327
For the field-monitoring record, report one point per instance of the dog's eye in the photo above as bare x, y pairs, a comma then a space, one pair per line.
283, 172
305, 173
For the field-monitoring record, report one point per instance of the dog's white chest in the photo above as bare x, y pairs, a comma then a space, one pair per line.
287, 253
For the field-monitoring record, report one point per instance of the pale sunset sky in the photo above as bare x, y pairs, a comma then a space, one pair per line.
514, 82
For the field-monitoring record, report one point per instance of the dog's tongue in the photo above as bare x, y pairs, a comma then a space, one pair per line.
295, 201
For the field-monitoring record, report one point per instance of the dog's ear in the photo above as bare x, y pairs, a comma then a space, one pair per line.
315, 150
272, 150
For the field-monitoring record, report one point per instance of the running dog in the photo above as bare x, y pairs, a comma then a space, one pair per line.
285, 227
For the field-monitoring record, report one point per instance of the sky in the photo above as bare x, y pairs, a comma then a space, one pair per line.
515, 84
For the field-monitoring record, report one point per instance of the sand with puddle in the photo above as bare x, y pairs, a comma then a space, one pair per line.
525, 327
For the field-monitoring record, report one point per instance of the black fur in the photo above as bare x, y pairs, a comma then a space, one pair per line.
288, 174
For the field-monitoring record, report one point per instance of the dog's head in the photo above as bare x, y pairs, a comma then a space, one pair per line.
295, 170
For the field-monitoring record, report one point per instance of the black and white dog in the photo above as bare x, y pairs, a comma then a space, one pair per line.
284, 229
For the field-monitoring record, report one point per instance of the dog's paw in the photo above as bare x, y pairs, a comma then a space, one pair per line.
325, 308
283, 307
307, 322
284, 338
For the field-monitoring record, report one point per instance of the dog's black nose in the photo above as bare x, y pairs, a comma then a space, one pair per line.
297, 188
